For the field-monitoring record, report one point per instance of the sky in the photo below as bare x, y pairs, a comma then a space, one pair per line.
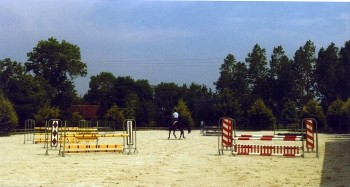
168, 41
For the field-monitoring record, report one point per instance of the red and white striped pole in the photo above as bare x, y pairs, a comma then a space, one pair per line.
310, 126
225, 140
226, 132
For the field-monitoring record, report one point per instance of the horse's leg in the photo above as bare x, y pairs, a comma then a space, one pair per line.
174, 134
169, 133
181, 133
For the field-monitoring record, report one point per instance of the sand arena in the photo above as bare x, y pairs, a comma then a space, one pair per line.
163, 162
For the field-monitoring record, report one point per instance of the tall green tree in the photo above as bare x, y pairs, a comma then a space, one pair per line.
166, 96
233, 76
123, 86
282, 80
25, 92
146, 109
257, 73
328, 75
101, 88
227, 70
58, 63
304, 64
101, 92
345, 61
199, 100
233, 96
227, 105
28, 95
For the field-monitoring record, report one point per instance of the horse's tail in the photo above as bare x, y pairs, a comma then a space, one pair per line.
188, 128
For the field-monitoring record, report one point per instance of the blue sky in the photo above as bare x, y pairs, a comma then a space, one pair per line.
162, 41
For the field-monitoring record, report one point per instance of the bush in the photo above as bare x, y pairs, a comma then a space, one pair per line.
115, 114
336, 116
184, 113
46, 113
260, 116
346, 110
77, 117
8, 116
313, 109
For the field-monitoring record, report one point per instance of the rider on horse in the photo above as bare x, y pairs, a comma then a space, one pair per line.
175, 117
176, 123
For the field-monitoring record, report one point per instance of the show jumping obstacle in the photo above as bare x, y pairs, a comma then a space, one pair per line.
229, 138
209, 130
129, 141
56, 135
29, 130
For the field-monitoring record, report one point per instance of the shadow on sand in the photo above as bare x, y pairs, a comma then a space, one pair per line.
336, 165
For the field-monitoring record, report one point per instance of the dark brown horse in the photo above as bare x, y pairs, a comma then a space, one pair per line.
179, 125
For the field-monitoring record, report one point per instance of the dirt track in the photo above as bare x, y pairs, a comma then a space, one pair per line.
163, 162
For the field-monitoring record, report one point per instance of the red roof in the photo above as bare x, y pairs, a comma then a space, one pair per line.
88, 111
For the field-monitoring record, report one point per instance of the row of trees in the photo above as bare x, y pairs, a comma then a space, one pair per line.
289, 87
257, 93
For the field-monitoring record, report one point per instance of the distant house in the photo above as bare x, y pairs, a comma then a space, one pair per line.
88, 111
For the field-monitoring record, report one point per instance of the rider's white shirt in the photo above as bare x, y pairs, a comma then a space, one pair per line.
175, 115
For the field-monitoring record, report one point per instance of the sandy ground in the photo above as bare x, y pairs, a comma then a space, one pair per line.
163, 162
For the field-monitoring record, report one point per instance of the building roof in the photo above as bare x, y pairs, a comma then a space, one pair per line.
88, 111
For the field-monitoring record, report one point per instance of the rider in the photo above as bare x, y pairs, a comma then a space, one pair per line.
175, 117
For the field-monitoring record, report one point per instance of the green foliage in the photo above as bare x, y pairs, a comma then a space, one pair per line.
281, 76
233, 94
115, 114
228, 105
132, 102
101, 88
304, 63
227, 70
184, 113
336, 116
46, 113
313, 109
166, 96
345, 63
260, 116
58, 63
9, 70
257, 72
346, 118
285, 86
328, 74
289, 113
76, 117
146, 113
123, 86
8, 116
25, 92
199, 100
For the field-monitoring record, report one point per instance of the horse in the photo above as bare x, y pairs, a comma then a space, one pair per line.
180, 126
